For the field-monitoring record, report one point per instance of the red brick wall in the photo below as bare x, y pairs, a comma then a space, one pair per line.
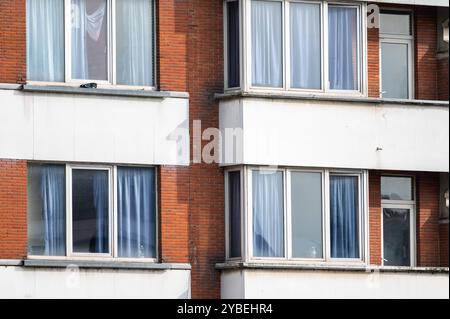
425, 31
443, 234
428, 190
375, 218
12, 41
13, 209
191, 59
443, 79
373, 60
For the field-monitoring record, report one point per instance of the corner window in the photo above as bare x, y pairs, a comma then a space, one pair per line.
72, 211
300, 46
233, 53
398, 221
234, 216
396, 55
302, 215
102, 41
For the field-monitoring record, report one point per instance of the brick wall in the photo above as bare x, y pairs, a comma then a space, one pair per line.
13, 209
375, 218
443, 244
443, 78
373, 61
191, 59
12, 41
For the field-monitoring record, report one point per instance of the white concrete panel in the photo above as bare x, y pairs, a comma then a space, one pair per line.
105, 129
342, 135
288, 284
21, 282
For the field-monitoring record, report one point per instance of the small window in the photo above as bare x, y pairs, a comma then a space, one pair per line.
397, 237
268, 214
233, 44
307, 221
344, 216
234, 214
267, 43
395, 23
397, 188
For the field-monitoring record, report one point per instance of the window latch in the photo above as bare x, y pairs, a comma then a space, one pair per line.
89, 86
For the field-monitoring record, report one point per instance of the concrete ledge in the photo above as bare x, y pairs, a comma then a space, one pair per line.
11, 262
10, 86
46, 263
317, 97
105, 92
343, 268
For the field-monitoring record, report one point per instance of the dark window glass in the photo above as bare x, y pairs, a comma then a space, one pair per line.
234, 202
233, 44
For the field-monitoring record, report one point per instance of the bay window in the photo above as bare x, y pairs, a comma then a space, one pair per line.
303, 215
73, 211
291, 45
101, 41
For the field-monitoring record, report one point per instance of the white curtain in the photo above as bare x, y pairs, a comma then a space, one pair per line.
343, 61
85, 25
305, 46
137, 212
267, 50
135, 42
45, 40
268, 214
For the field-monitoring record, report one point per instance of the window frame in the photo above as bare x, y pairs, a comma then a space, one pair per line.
113, 216
286, 88
399, 39
111, 82
225, 45
247, 217
402, 204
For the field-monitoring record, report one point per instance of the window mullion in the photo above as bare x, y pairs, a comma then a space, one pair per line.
325, 78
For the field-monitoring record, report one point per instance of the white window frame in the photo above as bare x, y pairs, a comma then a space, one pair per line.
247, 217
246, 50
113, 254
402, 204
111, 82
400, 39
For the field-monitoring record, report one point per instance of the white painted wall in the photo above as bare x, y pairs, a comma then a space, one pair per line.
106, 129
339, 134
289, 284
24, 282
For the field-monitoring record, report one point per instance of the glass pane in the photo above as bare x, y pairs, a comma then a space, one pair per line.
394, 70
90, 211
268, 214
234, 204
233, 44
89, 40
305, 46
306, 202
344, 210
396, 237
136, 193
343, 48
134, 32
45, 40
267, 41
395, 23
46, 210
397, 188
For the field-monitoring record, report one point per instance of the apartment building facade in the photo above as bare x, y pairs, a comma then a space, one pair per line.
223, 149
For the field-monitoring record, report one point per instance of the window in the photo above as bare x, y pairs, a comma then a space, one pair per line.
298, 46
300, 215
233, 44
79, 41
396, 55
398, 215
71, 211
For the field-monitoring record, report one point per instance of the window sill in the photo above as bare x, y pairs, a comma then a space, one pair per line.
333, 268
329, 98
46, 263
65, 89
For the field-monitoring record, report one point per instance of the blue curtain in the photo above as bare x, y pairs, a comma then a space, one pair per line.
53, 209
137, 212
101, 198
344, 217
268, 216
343, 60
